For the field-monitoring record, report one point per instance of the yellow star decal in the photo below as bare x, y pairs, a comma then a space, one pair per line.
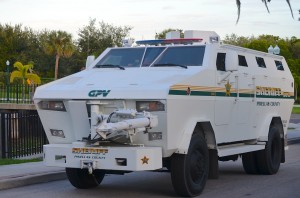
227, 87
145, 160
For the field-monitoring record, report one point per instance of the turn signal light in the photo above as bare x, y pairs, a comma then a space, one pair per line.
149, 106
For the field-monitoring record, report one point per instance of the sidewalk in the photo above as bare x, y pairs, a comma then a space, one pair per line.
12, 176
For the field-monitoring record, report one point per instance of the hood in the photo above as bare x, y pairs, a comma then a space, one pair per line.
113, 83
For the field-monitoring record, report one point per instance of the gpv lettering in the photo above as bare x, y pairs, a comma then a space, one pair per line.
95, 93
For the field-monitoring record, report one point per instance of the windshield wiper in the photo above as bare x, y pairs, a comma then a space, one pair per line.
170, 64
109, 66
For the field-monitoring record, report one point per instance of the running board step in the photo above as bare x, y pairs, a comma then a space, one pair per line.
238, 149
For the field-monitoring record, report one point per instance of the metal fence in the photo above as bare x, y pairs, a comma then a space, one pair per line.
17, 93
21, 134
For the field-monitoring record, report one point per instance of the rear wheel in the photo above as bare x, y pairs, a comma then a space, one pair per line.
250, 163
268, 160
189, 172
80, 178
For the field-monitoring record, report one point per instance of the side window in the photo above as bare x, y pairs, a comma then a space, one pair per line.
260, 62
221, 61
279, 65
242, 61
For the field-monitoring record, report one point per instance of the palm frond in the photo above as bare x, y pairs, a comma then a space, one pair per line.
289, 3
15, 74
238, 4
23, 73
26, 68
265, 1
18, 65
68, 50
33, 77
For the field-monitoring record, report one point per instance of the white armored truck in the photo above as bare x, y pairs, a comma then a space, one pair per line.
173, 104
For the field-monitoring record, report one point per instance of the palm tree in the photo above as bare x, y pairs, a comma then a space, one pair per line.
24, 72
238, 3
58, 43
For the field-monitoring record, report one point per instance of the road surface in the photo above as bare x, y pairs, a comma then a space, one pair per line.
233, 182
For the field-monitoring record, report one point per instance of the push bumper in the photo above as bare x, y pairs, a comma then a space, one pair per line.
106, 158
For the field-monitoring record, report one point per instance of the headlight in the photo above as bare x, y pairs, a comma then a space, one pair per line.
57, 133
149, 106
52, 105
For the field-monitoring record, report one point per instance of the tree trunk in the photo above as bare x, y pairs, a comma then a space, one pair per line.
56, 67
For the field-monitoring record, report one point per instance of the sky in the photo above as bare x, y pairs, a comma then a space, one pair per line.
147, 17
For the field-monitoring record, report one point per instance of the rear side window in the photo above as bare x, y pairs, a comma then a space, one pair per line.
279, 65
242, 61
221, 61
260, 62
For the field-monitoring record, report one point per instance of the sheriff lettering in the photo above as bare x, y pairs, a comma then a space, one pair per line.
89, 151
268, 91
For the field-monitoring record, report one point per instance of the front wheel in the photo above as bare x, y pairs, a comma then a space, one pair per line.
189, 172
80, 178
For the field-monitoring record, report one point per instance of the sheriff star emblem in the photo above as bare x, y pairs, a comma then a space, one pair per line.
145, 160
227, 87
188, 91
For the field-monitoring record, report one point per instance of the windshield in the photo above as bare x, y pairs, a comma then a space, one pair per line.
125, 57
145, 56
151, 54
181, 56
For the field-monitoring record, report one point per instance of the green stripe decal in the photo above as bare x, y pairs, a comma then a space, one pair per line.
223, 94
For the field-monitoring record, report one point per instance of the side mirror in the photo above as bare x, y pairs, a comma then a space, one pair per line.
89, 61
231, 62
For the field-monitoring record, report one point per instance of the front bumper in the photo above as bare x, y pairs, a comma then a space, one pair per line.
126, 158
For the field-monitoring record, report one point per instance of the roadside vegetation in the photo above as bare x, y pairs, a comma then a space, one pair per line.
296, 110
18, 161
55, 54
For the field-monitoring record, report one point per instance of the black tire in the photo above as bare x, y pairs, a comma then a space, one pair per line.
268, 160
167, 163
80, 178
213, 164
189, 172
250, 162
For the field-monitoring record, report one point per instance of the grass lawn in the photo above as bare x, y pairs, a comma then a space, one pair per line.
296, 110
18, 161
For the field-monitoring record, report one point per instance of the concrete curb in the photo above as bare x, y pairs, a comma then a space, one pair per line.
293, 141
24, 180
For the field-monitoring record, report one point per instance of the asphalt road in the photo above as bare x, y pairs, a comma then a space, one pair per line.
295, 118
233, 182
